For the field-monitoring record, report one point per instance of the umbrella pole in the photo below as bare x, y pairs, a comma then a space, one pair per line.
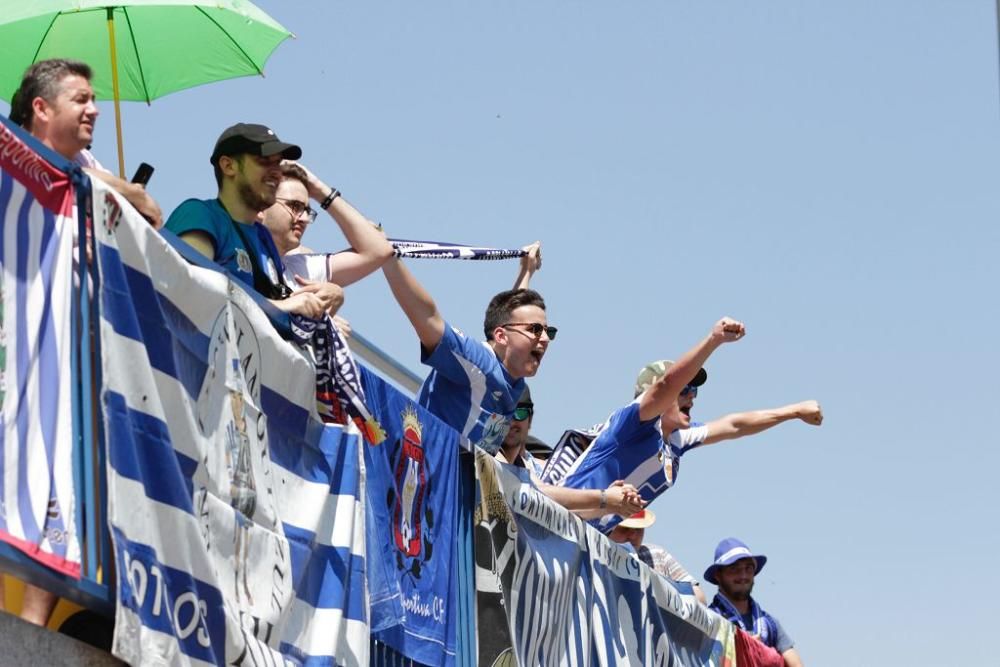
114, 85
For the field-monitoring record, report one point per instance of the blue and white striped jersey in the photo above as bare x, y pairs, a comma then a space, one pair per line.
470, 389
633, 450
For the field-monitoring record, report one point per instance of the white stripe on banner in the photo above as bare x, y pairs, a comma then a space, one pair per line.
37, 504
157, 644
325, 632
237, 516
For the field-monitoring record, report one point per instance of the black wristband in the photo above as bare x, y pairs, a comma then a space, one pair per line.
325, 204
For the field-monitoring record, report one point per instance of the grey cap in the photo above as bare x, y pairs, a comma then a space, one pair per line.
652, 372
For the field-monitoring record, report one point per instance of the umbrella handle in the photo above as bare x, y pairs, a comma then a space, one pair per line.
114, 86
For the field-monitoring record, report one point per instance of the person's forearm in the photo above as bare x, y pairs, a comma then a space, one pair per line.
366, 239
573, 499
523, 280
792, 658
668, 388
416, 303
749, 423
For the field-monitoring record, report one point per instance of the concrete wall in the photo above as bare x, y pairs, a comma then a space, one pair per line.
22, 643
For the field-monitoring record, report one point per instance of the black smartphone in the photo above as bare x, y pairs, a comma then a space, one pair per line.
143, 174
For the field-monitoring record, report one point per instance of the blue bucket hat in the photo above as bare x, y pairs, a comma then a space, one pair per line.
728, 552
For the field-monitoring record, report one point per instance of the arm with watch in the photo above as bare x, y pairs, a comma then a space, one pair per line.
619, 498
369, 247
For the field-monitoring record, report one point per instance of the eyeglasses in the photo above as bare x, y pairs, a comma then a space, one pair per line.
297, 208
522, 413
690, 390
536, 329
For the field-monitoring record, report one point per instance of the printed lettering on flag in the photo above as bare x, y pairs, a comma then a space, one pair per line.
37, 505
413, 500
237, 516
574, 597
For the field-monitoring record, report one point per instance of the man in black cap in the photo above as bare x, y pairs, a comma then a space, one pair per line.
247, 162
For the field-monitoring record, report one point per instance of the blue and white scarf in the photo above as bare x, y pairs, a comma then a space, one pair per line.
339, 394
764, 627
439, 250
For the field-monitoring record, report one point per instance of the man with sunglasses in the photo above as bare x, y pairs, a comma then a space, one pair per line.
247, 162
619, 498
630, 445
474, 387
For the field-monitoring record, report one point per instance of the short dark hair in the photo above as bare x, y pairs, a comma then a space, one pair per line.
43, 80
294, 172
501, 306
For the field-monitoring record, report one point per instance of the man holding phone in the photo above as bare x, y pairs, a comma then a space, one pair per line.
55, 103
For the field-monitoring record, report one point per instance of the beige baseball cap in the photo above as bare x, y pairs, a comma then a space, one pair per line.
652, 372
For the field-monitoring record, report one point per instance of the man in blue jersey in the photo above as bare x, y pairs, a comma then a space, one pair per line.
247, 161
630, 446
619, 498
474, 386
653, 465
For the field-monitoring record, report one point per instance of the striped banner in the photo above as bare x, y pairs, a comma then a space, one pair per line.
238, 517
573, 597
37, 505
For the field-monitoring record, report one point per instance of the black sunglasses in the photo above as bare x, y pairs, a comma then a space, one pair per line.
536, 329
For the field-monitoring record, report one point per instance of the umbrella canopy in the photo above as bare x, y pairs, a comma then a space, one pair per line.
138, 49
162, 45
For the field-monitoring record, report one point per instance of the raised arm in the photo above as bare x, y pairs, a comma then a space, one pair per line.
418, 305
661, 395
748, 423
371, 249
529, 264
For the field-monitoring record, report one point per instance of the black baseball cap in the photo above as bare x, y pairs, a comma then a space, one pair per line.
253, 139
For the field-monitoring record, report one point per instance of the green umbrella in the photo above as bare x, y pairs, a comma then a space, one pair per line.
139, 49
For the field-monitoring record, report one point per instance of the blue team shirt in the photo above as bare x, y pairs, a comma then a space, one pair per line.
633, 450
210, 217
469, 389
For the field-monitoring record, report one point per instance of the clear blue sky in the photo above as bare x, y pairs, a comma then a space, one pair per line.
826, 172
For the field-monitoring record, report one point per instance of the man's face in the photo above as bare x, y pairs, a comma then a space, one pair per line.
736, 580
686, 400
517, 435
69, 119
633, 536
525, 349
678, 415
286, 226
257, 180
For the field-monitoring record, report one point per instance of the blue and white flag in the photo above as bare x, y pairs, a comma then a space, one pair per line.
573, 597
37, 506
237, 515
413, 503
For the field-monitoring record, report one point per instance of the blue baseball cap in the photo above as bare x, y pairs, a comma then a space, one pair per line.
728, 552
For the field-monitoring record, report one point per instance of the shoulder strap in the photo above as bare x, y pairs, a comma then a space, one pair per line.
261, 281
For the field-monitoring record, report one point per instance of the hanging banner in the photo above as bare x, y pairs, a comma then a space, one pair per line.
37, 500
574, 597
237, 516
413, 500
